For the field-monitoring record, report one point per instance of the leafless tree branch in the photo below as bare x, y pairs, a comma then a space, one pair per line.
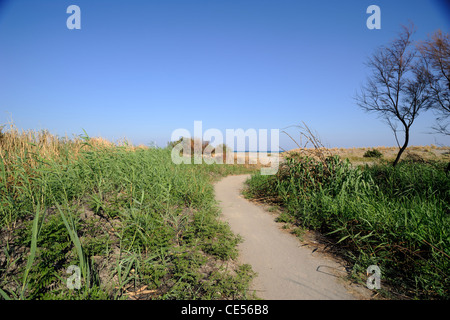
397, 88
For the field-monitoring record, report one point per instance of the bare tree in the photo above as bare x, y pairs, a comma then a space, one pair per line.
397, 88
435, 54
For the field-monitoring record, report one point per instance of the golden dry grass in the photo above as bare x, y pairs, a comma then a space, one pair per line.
32, 145
356, 155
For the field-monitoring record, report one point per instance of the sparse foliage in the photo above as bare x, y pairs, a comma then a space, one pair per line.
397, 88
435, 59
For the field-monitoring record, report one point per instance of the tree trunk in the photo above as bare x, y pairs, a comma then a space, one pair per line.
403, 148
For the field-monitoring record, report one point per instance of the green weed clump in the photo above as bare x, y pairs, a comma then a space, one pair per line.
374, 153
136, 225
396, 218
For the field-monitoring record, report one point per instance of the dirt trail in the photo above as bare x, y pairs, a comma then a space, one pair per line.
287, 270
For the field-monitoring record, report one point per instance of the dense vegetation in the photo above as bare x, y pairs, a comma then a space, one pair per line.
395, 218
140, 227
135, 224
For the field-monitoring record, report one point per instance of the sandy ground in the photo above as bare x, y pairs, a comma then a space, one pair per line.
287, 268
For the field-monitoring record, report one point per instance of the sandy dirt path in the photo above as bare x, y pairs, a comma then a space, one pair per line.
287, 270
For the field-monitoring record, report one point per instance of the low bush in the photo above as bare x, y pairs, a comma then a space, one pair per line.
374, 153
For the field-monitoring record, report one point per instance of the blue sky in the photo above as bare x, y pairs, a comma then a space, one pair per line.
141, 69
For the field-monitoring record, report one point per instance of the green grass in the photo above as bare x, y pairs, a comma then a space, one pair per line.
396, 218
129, 219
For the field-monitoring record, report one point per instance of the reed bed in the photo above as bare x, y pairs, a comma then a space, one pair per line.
136, 225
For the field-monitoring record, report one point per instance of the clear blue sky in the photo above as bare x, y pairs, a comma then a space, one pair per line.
141, 69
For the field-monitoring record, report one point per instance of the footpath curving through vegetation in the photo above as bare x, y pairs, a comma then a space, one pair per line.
395, 218
137, 226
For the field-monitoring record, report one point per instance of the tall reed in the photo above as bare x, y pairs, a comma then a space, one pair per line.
133, 221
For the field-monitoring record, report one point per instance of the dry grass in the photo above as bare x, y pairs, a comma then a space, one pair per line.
222, 153
356, 155
40, 145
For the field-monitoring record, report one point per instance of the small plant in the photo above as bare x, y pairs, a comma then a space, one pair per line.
414, 157
299, 232
374, 153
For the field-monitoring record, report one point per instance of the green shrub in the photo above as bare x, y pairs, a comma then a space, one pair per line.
374, 153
